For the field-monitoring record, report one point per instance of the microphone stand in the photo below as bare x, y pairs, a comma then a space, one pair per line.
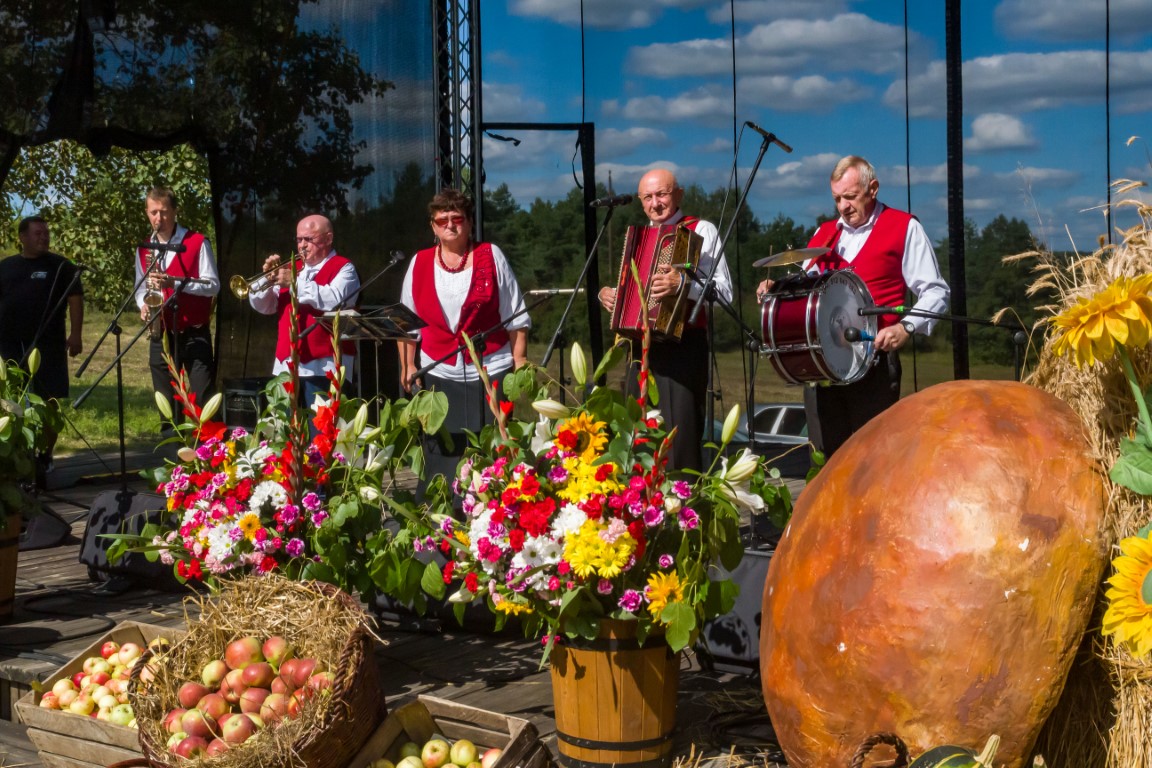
57, 307
1019, 335
115, 329
557, 336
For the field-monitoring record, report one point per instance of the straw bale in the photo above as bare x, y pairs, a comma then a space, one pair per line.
1105, 713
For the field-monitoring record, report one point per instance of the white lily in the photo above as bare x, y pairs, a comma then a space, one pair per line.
730, 423
542, 436
162, 405
211, 407
34, 361
551, 408
579, 365
736, 481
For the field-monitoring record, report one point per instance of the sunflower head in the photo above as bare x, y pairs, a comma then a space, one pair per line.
1121, 314
663, 588
1129, 595
583, 436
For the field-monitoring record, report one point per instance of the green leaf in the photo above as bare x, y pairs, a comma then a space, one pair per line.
432, 581
681, 623
1133, 468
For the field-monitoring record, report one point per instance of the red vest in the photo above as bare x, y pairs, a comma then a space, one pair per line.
317, 344
192, 310
879, 263
480, 312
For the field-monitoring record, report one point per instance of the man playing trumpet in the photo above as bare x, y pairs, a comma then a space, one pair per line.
186, 267
324, 279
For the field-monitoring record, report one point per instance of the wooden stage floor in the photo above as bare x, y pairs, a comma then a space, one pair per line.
60, 611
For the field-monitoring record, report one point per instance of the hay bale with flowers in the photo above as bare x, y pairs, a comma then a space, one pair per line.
318, 622
1097, 360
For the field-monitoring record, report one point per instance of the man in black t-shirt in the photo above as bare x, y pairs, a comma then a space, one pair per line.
36, 287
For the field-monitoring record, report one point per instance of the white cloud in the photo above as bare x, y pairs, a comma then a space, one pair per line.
1024, 82
1073, 19
788, 94
615, 143
507, 103
997, 132
759, 10
782, 46
1027, 177
708, 104
602, 14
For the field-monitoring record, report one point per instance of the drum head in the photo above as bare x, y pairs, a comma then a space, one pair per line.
841, 295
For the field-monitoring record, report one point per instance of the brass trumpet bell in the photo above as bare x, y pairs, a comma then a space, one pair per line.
242, 286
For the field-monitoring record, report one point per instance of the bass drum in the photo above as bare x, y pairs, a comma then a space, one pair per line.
803, 322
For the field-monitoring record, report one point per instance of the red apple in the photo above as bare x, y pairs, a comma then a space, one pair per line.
320, 681
252, 699
214, 705
258, 675
172, 720
190, 693
78, 679
276, 651
242, 652
216, 747
233, 686
213, 673
128, 653
297, 700
303, 670
280, 685
274, 707
109, 648
490, 757
191, 746
49, 701
238, 729
435, 753
196, 723
99, 678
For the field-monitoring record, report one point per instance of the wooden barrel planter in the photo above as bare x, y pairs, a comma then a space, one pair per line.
615, 699
9, 554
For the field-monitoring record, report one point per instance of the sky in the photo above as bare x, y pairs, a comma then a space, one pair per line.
661, 83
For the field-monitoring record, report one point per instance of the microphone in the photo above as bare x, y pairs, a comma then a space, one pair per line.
771, 137
397, 257
177, 248
853, 335
610, 202
897, 310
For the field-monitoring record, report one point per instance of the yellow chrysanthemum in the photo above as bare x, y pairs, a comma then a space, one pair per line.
663, 588
591, 554
1120, 314
1129, 614
590, 437
249, 523
462, 537
512, 608
582, 482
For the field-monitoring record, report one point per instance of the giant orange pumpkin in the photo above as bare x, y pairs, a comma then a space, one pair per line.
936, 577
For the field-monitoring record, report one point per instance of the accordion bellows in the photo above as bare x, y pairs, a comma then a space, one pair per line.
650, 249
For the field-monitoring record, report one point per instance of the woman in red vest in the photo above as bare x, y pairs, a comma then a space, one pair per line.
459, 287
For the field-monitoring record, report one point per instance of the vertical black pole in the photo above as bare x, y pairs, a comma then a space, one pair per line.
592, 284
955, 96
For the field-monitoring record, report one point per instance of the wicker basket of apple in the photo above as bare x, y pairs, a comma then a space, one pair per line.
274, 672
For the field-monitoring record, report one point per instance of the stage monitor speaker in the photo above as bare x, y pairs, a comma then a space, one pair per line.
732, 641
244, 401
125, 512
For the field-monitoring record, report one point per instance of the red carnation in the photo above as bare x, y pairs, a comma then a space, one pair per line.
472, 582
449, 569
516, 539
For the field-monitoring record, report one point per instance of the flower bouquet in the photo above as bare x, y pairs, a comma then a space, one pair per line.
572, 517
279, 499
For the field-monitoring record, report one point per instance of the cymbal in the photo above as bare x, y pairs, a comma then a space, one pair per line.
795, 256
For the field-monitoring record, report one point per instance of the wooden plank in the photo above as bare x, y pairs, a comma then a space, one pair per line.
15, 747
91, 752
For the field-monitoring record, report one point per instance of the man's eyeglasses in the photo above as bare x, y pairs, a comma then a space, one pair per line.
443, 221
662, 195
310, 239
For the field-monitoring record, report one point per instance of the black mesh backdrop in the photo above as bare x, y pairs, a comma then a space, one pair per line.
301, 107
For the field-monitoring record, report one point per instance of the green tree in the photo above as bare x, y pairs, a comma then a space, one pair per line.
95, 206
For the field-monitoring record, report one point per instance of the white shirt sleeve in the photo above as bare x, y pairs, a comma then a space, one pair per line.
922, 274
511, 299
709, 254
325, 297
207, 272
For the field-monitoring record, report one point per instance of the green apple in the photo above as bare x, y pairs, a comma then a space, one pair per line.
463, 752
382, 762
409, 748
410, 761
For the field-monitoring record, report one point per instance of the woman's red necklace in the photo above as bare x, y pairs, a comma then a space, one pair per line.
459, 267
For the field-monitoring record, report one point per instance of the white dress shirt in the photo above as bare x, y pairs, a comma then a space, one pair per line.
722, 278
207, 263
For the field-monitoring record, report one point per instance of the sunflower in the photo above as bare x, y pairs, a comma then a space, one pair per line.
1129, 595
1121, 314
589, 436
663, 588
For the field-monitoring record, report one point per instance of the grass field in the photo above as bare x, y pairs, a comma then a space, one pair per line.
93, 425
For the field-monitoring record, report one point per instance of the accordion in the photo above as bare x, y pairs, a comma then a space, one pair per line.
650, 249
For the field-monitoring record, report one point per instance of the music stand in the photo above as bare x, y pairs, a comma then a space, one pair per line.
394, 322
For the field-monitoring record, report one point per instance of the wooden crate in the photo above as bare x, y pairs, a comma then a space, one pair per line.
65, 740
428, 715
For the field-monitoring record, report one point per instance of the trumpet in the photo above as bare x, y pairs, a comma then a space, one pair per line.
242, 286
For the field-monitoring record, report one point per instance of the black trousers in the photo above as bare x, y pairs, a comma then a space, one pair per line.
836, 412
681, 374
191, 350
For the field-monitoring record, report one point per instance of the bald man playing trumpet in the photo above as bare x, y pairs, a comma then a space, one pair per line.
324, 281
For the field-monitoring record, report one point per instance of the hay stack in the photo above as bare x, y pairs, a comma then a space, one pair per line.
1105, 713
